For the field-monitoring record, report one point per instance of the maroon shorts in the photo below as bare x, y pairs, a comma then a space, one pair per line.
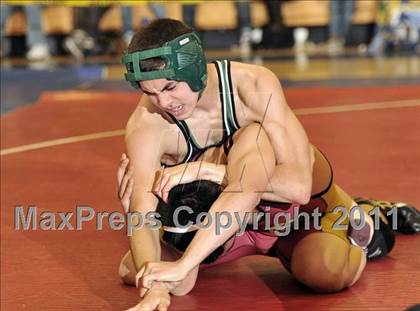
266, 242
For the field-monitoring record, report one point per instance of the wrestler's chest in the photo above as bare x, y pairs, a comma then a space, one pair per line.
203, 134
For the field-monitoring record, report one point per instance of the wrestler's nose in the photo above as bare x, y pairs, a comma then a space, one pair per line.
164, 100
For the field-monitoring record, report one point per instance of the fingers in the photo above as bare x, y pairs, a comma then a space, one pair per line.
147, 280
163, 179
125, 200
122, 168
128, 174
140, 274
163, 306
164, 185
149, 305
158, 183
143, 291
147, 269
166, 188
135, 308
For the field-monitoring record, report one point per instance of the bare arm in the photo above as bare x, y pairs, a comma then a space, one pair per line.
168, 252
250, 165
292, 179
145, 156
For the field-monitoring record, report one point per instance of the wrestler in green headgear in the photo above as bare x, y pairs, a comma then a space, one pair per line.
184, 61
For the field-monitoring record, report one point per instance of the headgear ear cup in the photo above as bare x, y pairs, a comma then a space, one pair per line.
184, 58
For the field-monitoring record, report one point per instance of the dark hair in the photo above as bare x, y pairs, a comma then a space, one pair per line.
154, 35
199, 196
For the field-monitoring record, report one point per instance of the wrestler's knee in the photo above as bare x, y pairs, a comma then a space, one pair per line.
326, 264
126, 270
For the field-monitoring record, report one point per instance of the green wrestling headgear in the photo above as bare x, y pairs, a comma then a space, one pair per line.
184, 61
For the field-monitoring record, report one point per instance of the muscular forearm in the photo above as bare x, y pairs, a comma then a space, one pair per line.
288, 186
292, 181
248, 173
213, 172
145, 246
284, 185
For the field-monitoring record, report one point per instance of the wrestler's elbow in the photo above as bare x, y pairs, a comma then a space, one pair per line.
302, 186
302, 193
302, 196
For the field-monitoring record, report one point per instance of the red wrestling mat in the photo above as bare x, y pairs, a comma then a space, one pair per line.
374, 152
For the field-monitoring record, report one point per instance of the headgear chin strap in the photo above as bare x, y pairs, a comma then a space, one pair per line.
184, 61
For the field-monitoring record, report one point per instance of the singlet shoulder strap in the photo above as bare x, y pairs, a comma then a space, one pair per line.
230, 123
227, 97
192, 147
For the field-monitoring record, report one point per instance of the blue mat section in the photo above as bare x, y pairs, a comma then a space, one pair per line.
124, 86
22, 86
351, 82
109, 85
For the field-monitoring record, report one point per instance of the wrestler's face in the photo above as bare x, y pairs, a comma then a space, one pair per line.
175, 97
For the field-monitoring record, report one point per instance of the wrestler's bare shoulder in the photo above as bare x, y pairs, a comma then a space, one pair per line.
256, 86
251, 76
145, 117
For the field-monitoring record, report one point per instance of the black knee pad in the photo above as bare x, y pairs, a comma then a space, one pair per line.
408, 219
413, 308
383, 241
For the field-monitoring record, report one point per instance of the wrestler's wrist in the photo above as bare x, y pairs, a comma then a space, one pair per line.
213, 172
201, 169
159, 286
184, 266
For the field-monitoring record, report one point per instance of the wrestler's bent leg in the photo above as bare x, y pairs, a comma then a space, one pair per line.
326, 263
